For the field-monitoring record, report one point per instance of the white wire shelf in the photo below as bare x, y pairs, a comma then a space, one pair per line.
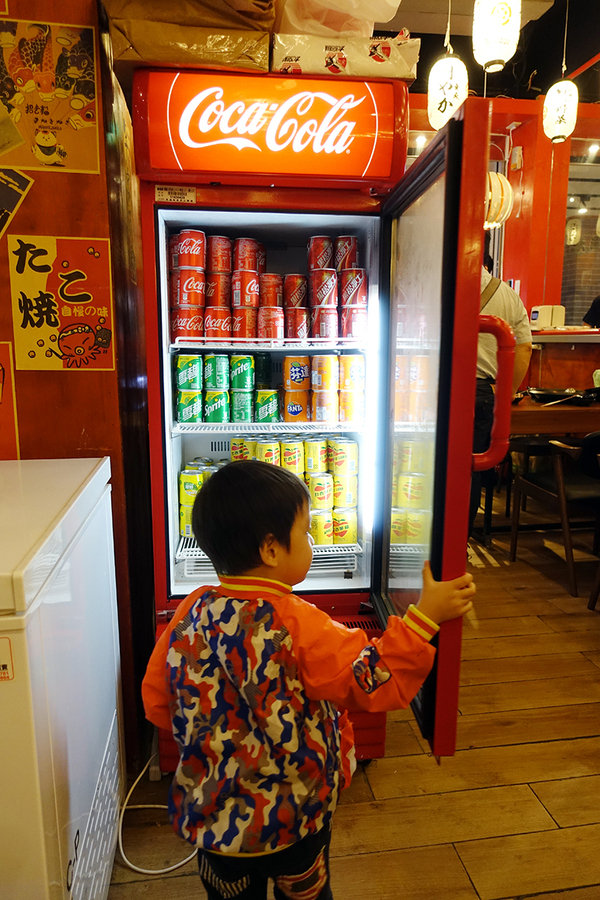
269, 344
407, 427
266, 427
407, 558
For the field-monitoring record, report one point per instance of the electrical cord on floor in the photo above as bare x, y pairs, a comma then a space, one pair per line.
145, 806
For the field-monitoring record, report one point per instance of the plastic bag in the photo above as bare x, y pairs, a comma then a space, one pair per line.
333, 17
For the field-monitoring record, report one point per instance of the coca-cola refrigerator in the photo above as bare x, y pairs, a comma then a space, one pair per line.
308, 305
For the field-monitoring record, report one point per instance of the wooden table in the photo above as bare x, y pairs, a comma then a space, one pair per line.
529, 417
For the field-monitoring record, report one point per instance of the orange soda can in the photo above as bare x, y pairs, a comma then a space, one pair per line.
345, 491
315, 454
345, 526
292, 455
351, 372
324, 372
296, 373
419, 410
296, 406
321, 526
325, 407
418, 373
320, 486
351, 406
398, 526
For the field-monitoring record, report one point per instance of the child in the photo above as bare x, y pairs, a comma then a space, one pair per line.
249, 678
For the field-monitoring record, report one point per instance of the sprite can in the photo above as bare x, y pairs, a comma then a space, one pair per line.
266, 406
216, 406
189, 407
216, 372
241, 373
241, 406
188, 372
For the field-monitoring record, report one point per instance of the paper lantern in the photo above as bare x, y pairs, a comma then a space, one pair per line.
499, 200
572, 232
447, 89
496, 27
560, 110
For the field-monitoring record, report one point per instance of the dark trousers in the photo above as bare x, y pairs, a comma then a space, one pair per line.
482, 429
300, 870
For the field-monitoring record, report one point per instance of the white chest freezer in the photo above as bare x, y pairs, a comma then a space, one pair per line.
61, 773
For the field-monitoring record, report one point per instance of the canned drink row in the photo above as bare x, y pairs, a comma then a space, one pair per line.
327, 407
335, 454
328, 287
410, 526
215, 253
220, 371
328, 490
340, 252
334, 526
224, 406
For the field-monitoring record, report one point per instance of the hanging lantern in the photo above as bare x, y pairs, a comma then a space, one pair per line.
496, 27
447, 89
499, 200
572, 232
560, 110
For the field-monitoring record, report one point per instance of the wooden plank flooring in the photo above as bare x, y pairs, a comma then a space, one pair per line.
515, 813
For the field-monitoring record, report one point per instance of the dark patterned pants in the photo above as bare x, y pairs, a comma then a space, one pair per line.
482, 429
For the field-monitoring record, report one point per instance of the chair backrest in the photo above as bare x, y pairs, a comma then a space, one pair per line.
590, 448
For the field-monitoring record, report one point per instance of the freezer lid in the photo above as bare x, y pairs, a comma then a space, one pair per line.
43, 506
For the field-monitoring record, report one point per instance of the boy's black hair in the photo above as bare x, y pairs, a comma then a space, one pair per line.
242, 503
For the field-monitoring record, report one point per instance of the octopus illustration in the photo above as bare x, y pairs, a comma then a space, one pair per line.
80, 344
30, 64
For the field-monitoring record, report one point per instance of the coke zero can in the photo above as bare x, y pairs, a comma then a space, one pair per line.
244, 288
187, 287
295, 290
218, 255
244, 322
296, 323
345, 252
323, 287
189, 249
353, 287
245, 251
324, 323
271, 289
217, 324
271, 323
353, 321
320, 252
218, 289
186, 322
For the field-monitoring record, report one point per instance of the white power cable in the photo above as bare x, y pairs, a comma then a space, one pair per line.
145, 806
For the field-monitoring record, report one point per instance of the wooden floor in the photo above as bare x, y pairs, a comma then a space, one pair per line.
516, 812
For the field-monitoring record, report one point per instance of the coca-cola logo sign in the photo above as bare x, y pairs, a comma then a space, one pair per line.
193, 283
217, 321
189, 246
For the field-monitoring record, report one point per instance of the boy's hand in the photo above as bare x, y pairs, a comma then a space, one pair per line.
443, 600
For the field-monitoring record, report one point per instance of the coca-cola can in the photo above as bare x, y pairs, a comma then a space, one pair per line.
244, 322
324, 323
345, 252
322, 287
295, 290
245, 253
261, 257
244, 288
320, 252
186, 322
271, 323
217, 324
296, 323
187, 287
353, 321
218, 253
271, 289
218, 289
189, 249
353, 287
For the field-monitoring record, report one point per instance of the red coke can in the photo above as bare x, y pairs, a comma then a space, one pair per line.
187, 287
295, 290
218, 253
353, 287
320, 252
186, 322
296, 323
323, 288
189, 249
353, 322
271, 323
244, 288
261, 257
244, 322
345, 252
245, 253
217, 324
324, 323
218, 289
271, 289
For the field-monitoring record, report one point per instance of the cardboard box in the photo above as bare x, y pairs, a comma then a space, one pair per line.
296, 54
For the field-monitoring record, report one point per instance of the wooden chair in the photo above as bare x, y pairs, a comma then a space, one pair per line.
573, 485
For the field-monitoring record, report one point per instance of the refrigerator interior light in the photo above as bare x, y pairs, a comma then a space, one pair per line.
367, 469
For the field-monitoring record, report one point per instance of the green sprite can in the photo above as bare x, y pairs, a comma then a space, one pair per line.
263, 368
188, 372
216, 372
216, 406
266, 406
241, 406
189, 407
241, 372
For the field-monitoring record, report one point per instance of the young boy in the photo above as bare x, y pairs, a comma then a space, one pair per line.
249, 678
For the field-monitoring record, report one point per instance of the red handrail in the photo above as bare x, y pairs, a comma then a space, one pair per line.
503, 393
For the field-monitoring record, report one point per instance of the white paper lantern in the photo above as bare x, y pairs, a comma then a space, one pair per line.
496, 27
572, 232
447, 89
499, 200
560, 110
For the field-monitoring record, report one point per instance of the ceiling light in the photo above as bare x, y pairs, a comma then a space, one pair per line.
496, 27
593, 149
420, 141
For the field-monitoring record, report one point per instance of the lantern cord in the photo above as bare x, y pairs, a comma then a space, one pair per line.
447, 43
564, 59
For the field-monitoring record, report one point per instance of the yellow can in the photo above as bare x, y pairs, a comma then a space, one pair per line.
344, 457
345, 525
345, 491
185, 520
320, 486
398, 526
411, 457
292, 455
268, 451
315, 454
418, 526
321, 526
239, 448
412, 491
190, 482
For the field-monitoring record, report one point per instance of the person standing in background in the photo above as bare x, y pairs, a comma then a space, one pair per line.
592, 316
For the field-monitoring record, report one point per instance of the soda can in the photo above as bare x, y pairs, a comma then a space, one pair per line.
296, 323
186, 322
315, 454
216, 406
345, 491
321, 526
418, 373
185, 520
296, 406
261, 257
419, 407
398, 526
245, 252
324, 323
295, 290
269, 451
266, 406
217, 324
218, 253
190, 482
188, 287
244, 288
345, 525
325, 407
189, 249
244, 322
218, 289
320, 252
210, 470
344, 456
418, 526
323, 287
353, 322
263, 369
241, 373
270, 289
351, 372
320, 485
353, 287
189, 407
239, 448
296, 373
173, 256
270, 323
188, 372
410, 457
351, 407
216, 372
412, 490
345, 252
292, 455
324, 372
242, 403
